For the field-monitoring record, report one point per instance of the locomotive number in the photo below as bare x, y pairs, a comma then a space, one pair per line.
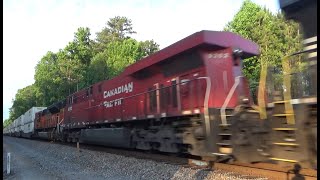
218, 55
70, 108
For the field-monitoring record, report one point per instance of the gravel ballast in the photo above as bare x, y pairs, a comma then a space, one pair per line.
45, 160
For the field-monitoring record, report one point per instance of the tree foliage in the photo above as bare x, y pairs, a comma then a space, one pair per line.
117, 29
82, 62
24, 99
276, 37
121, 54
98, 69
149, 47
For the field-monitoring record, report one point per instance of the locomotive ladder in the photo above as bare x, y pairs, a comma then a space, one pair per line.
291, 128
284, 132
291, 141
222, 144
231, 124
224, 134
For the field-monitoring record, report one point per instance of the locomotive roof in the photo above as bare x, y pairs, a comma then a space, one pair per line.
54, 108
213, 39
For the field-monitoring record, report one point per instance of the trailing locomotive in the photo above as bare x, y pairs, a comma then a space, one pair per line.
287, 126
293, 108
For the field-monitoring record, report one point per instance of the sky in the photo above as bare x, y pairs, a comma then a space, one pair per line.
31, 28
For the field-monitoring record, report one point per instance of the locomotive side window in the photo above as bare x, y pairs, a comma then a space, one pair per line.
152, 99
174, 93
163, 96
236, 57
185, 86
236, 61
99, 88
71, 100
168, 95
91, 90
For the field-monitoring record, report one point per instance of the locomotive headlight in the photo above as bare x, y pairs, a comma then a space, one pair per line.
245, 100
225, 150
289, 139
237, 52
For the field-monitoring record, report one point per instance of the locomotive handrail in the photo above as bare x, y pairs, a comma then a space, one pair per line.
261, 94
145, 92
287, 91
134, 112
227, 100
206, 112
206, 104
313, 46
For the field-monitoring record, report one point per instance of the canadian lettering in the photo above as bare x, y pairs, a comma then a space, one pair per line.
121, 89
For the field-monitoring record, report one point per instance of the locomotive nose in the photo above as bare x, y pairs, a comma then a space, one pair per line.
244, 100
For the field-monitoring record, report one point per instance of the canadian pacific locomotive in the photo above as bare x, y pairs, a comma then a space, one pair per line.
176, 100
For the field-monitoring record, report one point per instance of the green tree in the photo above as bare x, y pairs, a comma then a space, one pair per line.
98, 69
117, 49
118, 28
149, 47
276, 37
120, 54
59, 74
23, 101
80, 48
45, 73
6, 123
81, 63
79, 55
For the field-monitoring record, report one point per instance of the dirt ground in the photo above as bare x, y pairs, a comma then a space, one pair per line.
24, 165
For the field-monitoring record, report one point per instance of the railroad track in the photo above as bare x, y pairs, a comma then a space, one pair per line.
270, 171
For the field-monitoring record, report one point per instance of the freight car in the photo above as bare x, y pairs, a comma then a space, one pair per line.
18, 126
28, 121
23, 126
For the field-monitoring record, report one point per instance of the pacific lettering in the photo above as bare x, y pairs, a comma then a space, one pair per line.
109, 104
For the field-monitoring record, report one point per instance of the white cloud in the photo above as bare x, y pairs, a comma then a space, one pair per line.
31, 28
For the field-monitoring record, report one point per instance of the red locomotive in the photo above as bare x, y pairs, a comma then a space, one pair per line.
175, 100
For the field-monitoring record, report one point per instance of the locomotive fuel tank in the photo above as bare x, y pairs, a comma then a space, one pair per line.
116, 137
